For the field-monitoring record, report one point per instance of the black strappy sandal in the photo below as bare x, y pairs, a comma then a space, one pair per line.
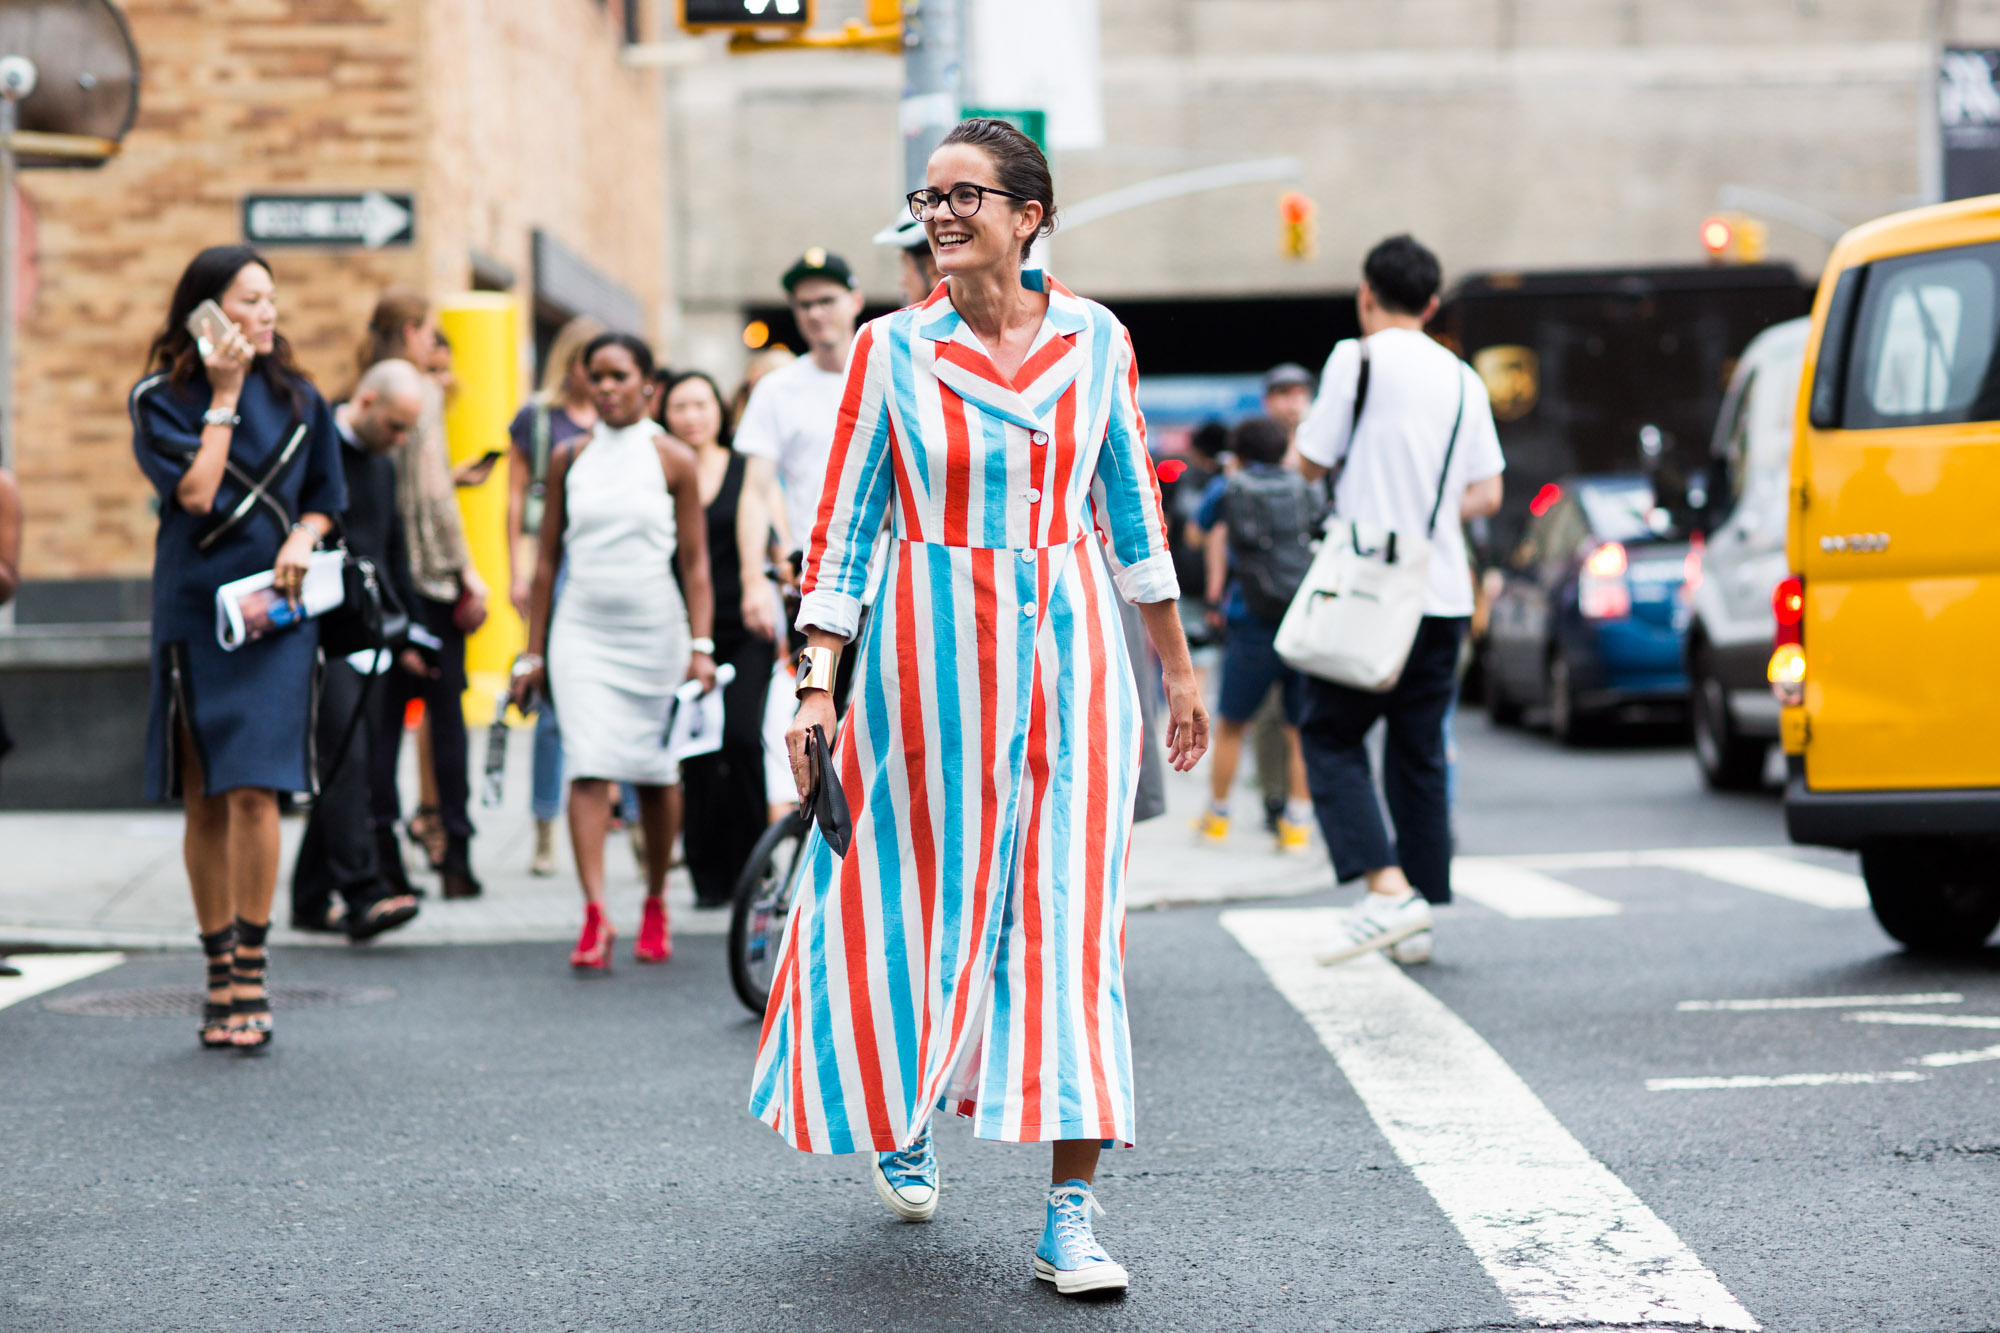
220, 949
250, 1017
426, 830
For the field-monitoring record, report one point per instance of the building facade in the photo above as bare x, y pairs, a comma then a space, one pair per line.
1509, 134
532, 153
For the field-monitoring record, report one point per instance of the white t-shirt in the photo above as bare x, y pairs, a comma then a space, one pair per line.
1391, 472
790, 420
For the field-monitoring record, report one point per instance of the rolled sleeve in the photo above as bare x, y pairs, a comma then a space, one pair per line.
831, 610
1150, 580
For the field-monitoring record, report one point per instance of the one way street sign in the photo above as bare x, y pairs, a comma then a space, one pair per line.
372, 219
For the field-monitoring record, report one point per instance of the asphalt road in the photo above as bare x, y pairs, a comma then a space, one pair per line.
500, 1146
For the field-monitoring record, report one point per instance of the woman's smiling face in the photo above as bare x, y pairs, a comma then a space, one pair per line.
990, 238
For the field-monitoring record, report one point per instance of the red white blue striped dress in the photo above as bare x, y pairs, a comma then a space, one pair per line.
968, 952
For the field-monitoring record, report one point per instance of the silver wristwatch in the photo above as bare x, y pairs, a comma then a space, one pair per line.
221, 416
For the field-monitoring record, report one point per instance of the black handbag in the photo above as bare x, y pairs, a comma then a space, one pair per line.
367, 620
367, 616
826, 803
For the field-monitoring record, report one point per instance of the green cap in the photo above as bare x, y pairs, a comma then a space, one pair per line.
818, 263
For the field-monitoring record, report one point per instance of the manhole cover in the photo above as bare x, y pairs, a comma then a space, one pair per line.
185, 1002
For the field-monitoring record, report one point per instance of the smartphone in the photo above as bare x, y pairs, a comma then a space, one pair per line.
489, 458
208, 325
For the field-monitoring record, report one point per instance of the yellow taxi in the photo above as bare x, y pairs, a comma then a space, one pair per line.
1887, 661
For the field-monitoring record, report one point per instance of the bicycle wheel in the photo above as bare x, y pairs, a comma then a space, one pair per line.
762, 906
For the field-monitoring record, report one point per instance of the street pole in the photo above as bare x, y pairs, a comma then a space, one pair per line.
932, 93
10, 249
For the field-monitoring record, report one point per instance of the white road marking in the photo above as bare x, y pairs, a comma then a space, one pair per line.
1929, 1020
1779, 875
1517, 891
46, 971
1946, 1059
1822, 1002
1565, 1240
1779, 1081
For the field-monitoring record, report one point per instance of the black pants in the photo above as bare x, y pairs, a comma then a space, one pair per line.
444, 706
1336, 719
338, 853
725, 803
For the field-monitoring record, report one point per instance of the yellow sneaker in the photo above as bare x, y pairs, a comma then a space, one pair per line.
1294, 837
1212, 827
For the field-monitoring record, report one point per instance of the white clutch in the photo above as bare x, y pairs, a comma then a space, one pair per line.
252, 607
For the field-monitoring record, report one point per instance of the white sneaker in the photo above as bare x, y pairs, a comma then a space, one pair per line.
1416, 949
1377, 923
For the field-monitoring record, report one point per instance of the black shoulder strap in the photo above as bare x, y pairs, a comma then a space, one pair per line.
1353, 421
1449, 448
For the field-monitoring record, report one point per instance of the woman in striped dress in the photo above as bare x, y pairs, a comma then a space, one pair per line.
967, 951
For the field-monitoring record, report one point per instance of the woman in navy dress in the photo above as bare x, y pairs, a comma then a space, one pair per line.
245, 457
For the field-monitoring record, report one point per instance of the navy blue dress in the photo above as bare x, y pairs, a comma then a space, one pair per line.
250, 712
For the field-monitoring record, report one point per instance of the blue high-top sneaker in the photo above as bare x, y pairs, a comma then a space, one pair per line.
908, 1180
1069, 1254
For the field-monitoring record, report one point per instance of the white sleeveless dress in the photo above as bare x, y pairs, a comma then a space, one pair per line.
619, 641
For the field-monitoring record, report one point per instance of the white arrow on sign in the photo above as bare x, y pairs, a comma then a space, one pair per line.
382, 219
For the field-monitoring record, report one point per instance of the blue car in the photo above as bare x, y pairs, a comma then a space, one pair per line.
1590, 618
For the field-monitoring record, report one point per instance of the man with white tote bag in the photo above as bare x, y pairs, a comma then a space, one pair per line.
1415, 456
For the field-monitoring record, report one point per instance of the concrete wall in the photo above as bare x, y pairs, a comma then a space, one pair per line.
1507, 133
501, 116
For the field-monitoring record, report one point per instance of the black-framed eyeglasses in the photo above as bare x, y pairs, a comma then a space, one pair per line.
964, 200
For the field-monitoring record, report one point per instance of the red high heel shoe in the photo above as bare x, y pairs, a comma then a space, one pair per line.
593, 948
655, 945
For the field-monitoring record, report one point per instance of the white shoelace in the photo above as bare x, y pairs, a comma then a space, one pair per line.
1074, 1206
914, 1165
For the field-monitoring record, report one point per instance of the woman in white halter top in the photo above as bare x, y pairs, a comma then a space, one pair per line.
623, 506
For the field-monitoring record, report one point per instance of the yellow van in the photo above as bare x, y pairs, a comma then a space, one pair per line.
1887, 664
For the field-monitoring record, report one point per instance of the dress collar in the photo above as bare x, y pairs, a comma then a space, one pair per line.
1051, 366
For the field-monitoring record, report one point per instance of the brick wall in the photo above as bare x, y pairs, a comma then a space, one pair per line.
501, 116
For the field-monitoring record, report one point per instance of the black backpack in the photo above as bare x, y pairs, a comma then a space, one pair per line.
1273, 515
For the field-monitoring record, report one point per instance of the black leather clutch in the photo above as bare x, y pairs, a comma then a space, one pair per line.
826, 802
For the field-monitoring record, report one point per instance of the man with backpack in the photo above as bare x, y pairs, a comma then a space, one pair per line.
1407, 429
1267, 515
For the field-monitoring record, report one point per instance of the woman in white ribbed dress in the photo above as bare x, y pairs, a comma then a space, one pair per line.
623, 505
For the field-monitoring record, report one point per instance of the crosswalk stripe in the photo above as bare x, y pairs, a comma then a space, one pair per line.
1517, 891
1930, 1020
1565, 1240
1766, 873
1821, 1002
1732, 1081
46, 971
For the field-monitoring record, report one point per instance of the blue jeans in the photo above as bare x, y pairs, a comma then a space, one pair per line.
547, 800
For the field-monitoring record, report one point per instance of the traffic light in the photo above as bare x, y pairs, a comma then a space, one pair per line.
1298, 226
1734, 238
713, 15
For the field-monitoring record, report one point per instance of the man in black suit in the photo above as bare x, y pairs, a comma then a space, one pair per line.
343, 853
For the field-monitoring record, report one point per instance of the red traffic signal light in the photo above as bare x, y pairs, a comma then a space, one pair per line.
1298, 229
1716, 235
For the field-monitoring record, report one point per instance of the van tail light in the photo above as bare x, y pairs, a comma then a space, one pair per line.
1787, 672
1691, 568
1602, 592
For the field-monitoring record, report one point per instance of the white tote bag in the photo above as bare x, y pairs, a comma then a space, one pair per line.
1356, 613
